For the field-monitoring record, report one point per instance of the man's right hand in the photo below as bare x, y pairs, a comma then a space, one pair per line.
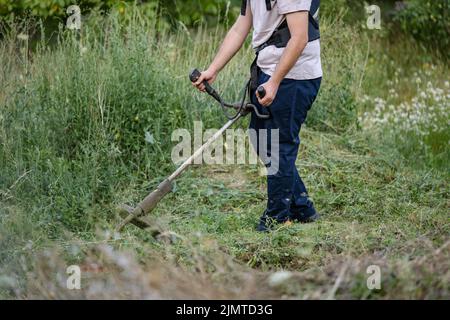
208, 75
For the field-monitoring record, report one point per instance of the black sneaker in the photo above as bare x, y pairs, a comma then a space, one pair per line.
266, 224
306, 219
262, 227
306, 214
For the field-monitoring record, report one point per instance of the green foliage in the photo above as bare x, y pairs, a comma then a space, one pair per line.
48, 8
351, 11
187, 12
197, 11
335, 109
428, 22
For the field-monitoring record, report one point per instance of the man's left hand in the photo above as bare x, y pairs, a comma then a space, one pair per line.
271, 92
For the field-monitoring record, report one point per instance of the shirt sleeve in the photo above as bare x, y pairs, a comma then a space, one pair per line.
289, 6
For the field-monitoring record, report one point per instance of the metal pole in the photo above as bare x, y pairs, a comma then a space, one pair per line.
200, 150
152, 199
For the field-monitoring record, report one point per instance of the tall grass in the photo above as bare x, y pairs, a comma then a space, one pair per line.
75, 116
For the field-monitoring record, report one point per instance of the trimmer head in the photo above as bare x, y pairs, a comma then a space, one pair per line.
136, 215
140, 222
146, 224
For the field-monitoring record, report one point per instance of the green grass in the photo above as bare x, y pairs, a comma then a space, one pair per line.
72, 148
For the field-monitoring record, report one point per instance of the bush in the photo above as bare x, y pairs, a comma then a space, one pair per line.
352, 10
187, 12
427, 21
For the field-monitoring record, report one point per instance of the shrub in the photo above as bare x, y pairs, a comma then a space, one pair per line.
427, 21
353, 9
187, 12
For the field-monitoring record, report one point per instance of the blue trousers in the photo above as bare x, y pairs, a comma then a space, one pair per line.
286, 192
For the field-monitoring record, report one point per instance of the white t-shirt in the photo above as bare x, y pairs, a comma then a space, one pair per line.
265, 22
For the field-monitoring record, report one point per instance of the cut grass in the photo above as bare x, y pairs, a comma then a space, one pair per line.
384, 212
373, 212
398, 223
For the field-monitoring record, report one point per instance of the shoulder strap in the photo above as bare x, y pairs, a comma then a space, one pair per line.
244, 6
313, 30
314, 12
281, 34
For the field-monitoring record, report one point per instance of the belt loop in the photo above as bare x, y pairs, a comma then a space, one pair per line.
268, 5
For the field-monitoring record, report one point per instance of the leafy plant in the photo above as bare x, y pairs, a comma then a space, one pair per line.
188, 13
428, 22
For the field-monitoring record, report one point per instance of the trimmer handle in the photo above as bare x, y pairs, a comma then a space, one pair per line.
261, 91
194, 75
241, 107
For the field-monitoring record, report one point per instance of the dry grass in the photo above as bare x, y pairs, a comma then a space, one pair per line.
111, 274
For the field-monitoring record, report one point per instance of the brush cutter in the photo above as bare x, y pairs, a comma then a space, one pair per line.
136, 215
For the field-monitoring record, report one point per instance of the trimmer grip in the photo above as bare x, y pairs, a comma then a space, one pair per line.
195, 75
261, 92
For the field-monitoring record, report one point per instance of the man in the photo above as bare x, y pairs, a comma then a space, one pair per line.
286, 39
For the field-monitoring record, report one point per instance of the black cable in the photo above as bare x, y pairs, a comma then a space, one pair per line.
241, 106
195, 74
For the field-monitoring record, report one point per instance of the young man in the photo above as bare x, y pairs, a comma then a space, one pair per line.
286, 40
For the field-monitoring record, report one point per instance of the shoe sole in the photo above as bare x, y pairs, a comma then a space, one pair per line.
313, 218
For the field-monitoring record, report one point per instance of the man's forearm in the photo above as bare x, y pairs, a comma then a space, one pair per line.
298, 26
230, 46
290, 56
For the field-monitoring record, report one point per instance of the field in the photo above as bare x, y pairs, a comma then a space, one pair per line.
76, 114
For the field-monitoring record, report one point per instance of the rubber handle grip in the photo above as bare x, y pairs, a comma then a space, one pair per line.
195, 74
261, 92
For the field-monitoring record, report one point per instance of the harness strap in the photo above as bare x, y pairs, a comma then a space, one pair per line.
281, 35
244, 6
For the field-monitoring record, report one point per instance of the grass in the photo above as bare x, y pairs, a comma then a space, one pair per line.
73, 121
